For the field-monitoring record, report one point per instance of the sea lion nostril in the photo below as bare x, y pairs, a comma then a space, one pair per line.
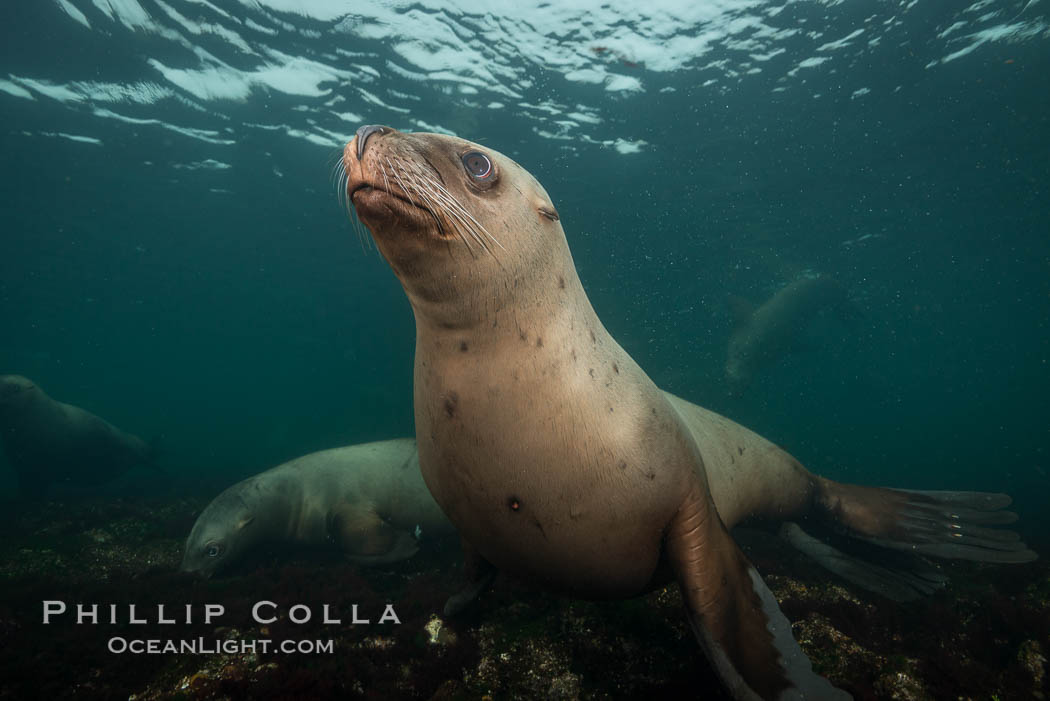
362, 137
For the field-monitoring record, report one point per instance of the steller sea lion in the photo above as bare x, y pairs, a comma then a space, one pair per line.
47, 441
367, 500
763, 333
553, 453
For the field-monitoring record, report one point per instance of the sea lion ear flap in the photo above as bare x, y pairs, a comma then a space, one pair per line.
740, 309
733, 614
244, 522
549, 212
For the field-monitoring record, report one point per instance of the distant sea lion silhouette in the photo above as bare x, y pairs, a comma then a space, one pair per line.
47, 441
367, 500
554, 454
765, 333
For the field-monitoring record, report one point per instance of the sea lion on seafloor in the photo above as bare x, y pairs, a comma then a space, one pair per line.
551, 451
47, 441
367, 500
763, 333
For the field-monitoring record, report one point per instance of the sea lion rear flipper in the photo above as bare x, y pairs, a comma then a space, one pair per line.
733, 614
898, 576
366, 538
478, 574
949, 525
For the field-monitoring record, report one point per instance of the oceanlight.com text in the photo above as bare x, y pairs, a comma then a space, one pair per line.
213, 646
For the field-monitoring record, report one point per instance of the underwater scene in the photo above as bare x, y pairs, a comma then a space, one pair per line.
532, 350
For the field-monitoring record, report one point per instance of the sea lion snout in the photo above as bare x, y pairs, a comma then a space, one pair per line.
190, 565
361, 137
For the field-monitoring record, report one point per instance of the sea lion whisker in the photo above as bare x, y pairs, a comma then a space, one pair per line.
344, 196
420, 189
338, 178
342, 178
435, 207
425, 198
441, 189
434, 198
460, 223
452, 208
339, 173
386, 181
447, 204
404, 188
359, 229
348, 205
338, 166
335, 154
466, 242
466, 225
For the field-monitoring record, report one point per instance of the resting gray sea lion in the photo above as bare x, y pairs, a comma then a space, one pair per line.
764, 333
367, 500
551, 451
47, 441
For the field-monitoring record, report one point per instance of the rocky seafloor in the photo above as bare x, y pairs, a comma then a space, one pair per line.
986, 636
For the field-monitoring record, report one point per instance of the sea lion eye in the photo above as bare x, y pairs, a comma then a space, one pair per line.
478, 165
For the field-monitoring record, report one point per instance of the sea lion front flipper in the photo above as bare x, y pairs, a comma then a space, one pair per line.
366, 538
478, 574
733, 614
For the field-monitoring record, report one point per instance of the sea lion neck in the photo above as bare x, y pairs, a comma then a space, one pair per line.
547, 302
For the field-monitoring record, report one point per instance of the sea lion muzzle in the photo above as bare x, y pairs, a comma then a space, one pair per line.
362, 137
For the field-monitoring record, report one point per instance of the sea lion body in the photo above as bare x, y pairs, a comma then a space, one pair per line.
763, 334
595, 530
749, 477
549, 448
369, 501
47, 441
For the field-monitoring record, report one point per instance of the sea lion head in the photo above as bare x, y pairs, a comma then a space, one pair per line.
15, 390
223, 532
454, 219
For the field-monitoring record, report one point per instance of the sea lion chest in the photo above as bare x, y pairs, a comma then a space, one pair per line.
549, 460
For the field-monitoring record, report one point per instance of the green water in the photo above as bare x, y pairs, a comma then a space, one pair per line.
232, 312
